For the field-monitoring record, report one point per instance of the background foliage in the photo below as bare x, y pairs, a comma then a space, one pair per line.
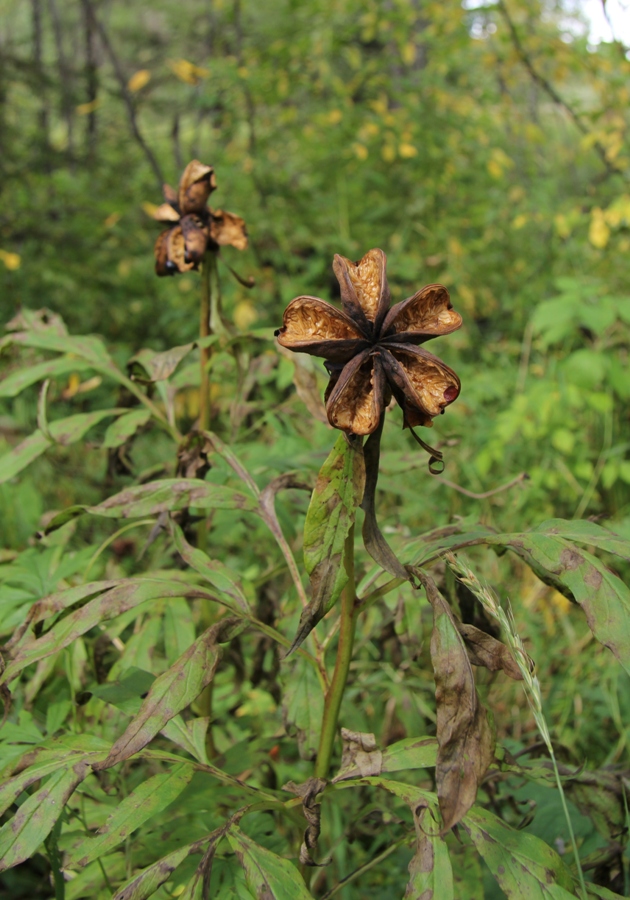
484, 148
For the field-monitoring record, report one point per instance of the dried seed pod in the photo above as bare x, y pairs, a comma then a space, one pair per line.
195, 227
371, 350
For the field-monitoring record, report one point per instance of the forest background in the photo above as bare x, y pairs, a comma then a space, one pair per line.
483, 148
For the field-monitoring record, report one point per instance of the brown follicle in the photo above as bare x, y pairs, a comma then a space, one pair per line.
366, 276
371, 352
429, 312
227, 229
308, 319
195, 186
354, 405
195, 227
431, 381
176, 249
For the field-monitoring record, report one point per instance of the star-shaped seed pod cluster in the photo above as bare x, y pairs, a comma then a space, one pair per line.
194, 227
372, 350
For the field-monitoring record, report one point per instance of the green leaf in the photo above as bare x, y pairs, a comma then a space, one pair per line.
269, 877
55, 603
410, 753
30, 826
173, 691
125, 596
45, 763
16, 382
148, 366
217, 573
125, 427
303, 706
525, 867
584, 532
331, 513
157, 497
87, 347
63, 431
148, 799
149, 880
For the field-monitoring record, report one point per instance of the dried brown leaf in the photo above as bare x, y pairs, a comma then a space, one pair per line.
485, 650
465, 739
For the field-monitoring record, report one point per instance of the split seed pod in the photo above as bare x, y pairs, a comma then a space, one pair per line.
372, 350
194, 227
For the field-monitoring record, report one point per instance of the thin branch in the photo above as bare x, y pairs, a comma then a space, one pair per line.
122, 83
504, 487
552, 92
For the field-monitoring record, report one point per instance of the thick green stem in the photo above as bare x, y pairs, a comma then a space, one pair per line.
334, 696
205, 329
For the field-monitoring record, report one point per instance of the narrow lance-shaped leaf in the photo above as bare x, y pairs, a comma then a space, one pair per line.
466, 743
87, 347
410, 753
63, 431
30, 826
269, 877
148, 799
525, 867
149, 880
217, 573
17, 381
338, 492
157, 497
148, 366
125, 427
46, 765
174, 690
107, 606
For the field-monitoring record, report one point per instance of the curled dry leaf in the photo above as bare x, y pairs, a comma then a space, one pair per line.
371, 350
308, 792
360, 755
465, 739
485, 650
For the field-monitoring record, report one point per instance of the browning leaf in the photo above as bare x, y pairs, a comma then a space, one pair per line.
485, 650
430, 871
465, 740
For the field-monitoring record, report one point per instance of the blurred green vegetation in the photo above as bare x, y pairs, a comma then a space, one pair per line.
483, 148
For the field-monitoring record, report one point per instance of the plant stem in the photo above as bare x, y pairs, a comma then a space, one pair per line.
334, 696
205, 329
